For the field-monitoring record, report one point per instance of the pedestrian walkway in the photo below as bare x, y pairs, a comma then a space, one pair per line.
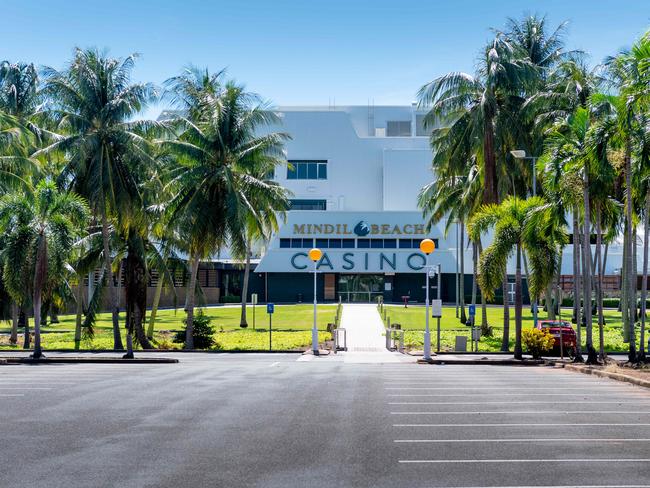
365, 336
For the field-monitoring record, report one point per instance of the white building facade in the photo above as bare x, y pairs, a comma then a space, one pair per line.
355, 173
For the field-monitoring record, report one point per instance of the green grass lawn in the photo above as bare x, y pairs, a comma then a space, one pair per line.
412, 320
291, 328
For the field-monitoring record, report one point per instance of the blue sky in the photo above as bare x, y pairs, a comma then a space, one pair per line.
303, 52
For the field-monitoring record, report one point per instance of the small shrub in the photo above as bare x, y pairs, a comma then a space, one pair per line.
203, 332
537, 341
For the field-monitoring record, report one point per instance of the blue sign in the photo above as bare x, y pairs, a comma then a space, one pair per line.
270, 308
472, 310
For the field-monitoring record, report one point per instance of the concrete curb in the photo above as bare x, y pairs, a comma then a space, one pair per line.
489, 362
607, 374
99, 360
158, 351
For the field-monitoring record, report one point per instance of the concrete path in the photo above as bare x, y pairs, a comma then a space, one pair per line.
365, 336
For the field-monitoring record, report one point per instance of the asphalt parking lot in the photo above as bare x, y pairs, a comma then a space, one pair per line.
269, 421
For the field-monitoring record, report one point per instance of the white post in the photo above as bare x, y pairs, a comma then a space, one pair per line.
427, 332
314, 330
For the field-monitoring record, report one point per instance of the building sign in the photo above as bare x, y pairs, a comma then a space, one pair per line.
360, 261
287, 252
361, 229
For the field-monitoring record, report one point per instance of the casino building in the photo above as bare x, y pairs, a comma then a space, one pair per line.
355, 174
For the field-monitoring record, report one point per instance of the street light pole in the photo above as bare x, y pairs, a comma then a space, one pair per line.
427, 246
315, 255
521, 154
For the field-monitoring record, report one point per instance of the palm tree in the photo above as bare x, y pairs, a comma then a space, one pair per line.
218, 146
519, 225
453, 198
94, 103
629, 74
644, 190
468, 109
40, 231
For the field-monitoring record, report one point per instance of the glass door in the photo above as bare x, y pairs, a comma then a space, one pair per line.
361, 288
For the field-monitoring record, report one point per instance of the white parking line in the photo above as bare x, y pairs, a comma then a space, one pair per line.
525, 388
554, 486
629, 394
515, 412
24, 388
459, 441
12, 395
527, 425
494, 385
582, 402
506, 461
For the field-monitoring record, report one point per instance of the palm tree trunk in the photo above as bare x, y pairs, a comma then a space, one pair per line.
136, 294
27, 337
592, 356
490, 194
557, 306
13, 338
505, 340
576, 284
244, 291
461, 280
644, 283
599, 283
189, 330
485, 327
108, 269
40, 273
154, 306
550, 307
631, 280
474, 274
635, 275
624, 292
78, 312
518, 305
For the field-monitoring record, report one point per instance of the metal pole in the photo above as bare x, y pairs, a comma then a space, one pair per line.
427, 332
439, 298
535, 194
458, 251
270, 328
314, 330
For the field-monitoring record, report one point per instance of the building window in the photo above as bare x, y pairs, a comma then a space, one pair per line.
420, 130
307, 170
347, 243
398, 128
363, 243
296, 243
301, 204
413, 243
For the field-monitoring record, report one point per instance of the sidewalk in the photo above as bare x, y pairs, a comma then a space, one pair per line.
365, 340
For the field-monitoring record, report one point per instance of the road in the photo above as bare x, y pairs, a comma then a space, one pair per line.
257, 420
